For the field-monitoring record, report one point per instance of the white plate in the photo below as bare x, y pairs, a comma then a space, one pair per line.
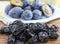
7, 19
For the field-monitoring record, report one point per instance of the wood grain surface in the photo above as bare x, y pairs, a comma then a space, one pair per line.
3, 38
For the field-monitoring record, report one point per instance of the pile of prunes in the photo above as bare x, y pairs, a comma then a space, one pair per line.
20, 33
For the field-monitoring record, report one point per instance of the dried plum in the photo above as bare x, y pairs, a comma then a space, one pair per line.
5, 30
11, 39
19, 42
43, 36
33, 40
32, 26
54, 35
54, 28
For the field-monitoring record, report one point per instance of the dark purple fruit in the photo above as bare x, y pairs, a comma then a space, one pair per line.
54, 35
11, 39
33, 40
43, 36
19, 42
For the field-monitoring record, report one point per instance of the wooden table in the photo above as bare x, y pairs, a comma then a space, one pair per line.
3, 38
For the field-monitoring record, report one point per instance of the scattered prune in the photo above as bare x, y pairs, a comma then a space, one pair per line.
19, 42
39, 26
32, 26
54, 28
54, 35
22, 36
33, 40
45, 26
5, 30
11, 39
43, 36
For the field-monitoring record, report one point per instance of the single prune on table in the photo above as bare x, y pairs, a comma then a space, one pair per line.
11, 39
54, 28
5, 30
19, 42
54, 35
43, 36
33, 40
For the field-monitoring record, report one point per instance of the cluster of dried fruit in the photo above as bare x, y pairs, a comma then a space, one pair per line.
20, 33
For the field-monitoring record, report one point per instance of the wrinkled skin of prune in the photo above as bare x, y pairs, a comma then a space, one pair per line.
5, 30
11, 39
19, 42
33, 40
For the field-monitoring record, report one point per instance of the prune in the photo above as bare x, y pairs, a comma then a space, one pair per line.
5, 30
28, 33
11, 39
17, 23
46, 26
19, 42
19, 30
49, 32
22, 36
43, 36
33, 40
54, 35
37, 14
15, 12
39, 26
54, 28
17, 27
32, 26
27, 15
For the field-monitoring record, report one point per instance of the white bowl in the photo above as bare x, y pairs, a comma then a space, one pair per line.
7, 19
